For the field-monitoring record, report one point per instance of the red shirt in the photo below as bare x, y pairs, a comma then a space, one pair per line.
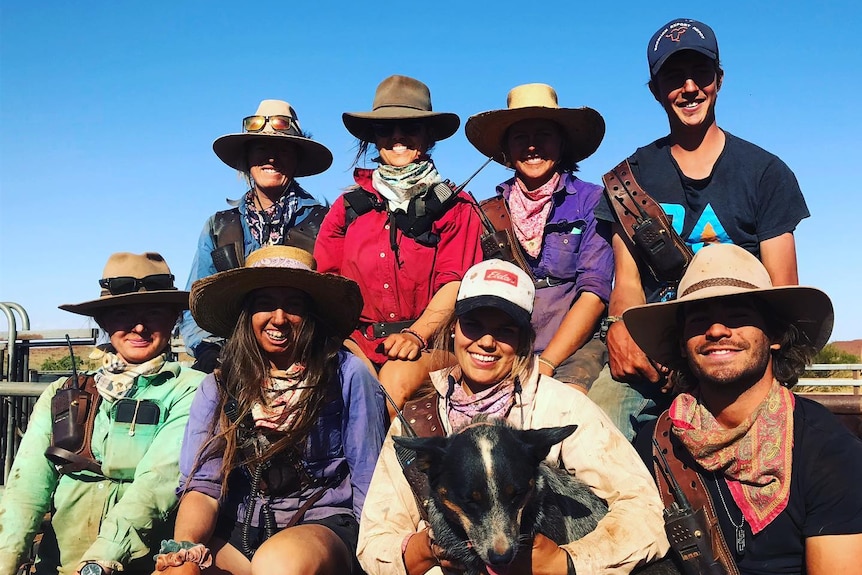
395, 290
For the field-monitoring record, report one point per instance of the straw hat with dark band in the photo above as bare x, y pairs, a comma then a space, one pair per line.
138, 266
583, 128
401, 98
216, 301
313, 157
726, 271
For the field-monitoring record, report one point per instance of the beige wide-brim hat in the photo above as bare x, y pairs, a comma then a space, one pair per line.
725, 272
313, 157
217, 300
401, 98
583, 128
138, 266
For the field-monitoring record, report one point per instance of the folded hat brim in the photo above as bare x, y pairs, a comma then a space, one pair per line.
655, 328
90, 308
584, 129
314, 157
217, 300
441, 125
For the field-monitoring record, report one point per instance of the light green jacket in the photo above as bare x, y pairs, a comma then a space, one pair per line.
118, 518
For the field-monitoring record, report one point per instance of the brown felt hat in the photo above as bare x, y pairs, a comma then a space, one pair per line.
313, 157
401, 98
217, 300
583, 128
129, 267
726, 271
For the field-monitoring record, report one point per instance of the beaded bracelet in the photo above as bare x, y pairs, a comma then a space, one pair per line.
423, 345
548, 363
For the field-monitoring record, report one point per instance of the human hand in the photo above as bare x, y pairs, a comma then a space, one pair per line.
627, 360
402, 346
545, 558
423, 553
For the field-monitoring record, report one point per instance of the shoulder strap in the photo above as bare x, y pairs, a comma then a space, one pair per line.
227, 237
359, 202
690, 481
304, 234
501, 243
646, 225
424, 417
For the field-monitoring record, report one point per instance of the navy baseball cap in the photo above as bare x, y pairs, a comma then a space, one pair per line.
680, 34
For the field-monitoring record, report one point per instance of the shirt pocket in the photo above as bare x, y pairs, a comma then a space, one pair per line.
562, 248
324, 441
134, 424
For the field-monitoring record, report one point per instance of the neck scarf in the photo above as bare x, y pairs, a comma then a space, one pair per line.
281, 392
754, 457
494, 402
268, 226
529, 210
400, 184
116, 379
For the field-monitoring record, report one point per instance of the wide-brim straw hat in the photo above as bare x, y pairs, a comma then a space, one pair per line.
401, 98
138, 266
217, 300
726, 272
583, 128
313, 157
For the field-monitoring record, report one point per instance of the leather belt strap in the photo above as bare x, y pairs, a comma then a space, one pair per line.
681, 466
424, 417
501, 241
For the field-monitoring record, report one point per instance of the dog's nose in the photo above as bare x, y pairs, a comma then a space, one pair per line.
500, 559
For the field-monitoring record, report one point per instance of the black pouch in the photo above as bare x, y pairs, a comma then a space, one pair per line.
666, 254
69, 409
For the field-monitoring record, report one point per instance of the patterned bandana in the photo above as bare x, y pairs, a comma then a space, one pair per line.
116, 379
529, 210
400, 184
282, 391
494, 402
754, 457
268, 226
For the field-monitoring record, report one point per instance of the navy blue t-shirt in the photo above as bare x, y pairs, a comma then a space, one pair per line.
750, 196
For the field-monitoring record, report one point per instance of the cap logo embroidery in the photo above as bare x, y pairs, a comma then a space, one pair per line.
675, 34
501, 276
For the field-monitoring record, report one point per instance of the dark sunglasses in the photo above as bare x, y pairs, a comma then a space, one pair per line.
386, 129
278, 123
127, 284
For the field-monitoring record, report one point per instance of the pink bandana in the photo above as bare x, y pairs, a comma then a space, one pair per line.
755, 457
495, 402
529, 210
283, 390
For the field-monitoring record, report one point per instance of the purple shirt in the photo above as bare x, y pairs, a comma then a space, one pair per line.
576, 254
346, 440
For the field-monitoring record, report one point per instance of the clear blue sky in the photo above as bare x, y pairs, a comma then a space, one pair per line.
108, 111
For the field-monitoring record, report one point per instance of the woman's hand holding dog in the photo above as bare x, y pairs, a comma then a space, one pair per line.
422, 553
547, 558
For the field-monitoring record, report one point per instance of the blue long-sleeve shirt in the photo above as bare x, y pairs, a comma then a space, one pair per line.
349, 433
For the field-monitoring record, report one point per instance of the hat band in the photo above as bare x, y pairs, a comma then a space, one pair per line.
419, 108
717, 282
280, 262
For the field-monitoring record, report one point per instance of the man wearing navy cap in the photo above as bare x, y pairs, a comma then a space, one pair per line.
714, 187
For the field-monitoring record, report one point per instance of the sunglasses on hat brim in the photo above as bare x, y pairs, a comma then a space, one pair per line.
127, 284
279, 123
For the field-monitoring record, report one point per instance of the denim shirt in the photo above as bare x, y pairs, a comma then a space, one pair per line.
347, 437
203, 266
576, 254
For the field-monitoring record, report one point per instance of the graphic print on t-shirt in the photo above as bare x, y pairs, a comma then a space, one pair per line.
707, 230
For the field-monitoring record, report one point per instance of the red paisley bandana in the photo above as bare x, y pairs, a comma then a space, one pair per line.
754, 457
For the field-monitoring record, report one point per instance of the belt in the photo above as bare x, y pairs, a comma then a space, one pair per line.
383, 329
548, 282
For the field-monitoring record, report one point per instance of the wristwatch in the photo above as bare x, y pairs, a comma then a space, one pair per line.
605, 325
93, 568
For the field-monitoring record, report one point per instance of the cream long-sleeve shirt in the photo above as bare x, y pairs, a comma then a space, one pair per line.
631, 534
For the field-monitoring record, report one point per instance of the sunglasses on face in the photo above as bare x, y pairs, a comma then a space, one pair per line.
386, 129
127, 284
278, 123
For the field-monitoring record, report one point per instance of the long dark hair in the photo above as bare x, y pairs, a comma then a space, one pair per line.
244, 369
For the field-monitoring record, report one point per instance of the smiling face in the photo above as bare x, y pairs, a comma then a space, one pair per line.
687, 87
277, 314
725, 343
485, 346
401, 142
534, 148
139, 332
271, 166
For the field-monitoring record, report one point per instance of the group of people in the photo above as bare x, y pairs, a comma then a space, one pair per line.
314, 327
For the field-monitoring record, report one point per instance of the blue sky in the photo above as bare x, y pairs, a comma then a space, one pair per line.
108, 111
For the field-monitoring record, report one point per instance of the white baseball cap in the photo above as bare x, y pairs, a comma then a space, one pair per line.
498, 284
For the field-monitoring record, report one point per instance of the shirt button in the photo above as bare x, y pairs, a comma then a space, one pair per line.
382, 254
386, 227
385, 286
101, 486
391, 315
565, 241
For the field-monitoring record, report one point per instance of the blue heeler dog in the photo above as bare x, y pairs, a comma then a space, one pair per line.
491, 492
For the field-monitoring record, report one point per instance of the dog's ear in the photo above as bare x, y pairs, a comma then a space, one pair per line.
429, 450
540, 441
